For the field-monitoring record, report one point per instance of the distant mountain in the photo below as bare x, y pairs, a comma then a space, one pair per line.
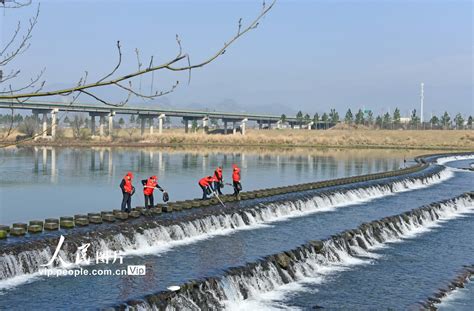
225, 105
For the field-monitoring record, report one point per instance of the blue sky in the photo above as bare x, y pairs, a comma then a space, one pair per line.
308, 55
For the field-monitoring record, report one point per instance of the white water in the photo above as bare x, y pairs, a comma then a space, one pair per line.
445, 160
343, 258
161, 239
265, 286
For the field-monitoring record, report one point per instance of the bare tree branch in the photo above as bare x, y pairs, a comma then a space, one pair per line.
169, 65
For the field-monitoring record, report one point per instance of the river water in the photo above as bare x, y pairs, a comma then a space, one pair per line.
397, 275
38, 183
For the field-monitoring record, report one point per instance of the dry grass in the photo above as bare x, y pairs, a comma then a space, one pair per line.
428, 139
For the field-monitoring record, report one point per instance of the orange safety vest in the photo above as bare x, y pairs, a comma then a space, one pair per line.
236, 174
149, 183
218, 174
206, 181
128, 184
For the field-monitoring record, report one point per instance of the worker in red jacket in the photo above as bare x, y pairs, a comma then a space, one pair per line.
236, 179
219, 180
206, 185
127, 191
149, 186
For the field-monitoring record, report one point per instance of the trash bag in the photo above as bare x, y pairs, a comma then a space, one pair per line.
239, 186
208, 191
221, 184
166, 197
133, 191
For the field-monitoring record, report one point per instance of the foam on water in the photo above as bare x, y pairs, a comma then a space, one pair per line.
265, 286
162, 238
445, 160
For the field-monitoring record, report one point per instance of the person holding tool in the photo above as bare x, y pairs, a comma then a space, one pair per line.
127, 191
236, 179
219, 180
206, 184
149, 186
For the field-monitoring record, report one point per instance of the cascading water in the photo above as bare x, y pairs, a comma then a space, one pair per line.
160, 238
243, 284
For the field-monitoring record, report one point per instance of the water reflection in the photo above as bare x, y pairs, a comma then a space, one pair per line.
87, 179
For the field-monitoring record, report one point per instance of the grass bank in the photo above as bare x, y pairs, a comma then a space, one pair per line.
406, 139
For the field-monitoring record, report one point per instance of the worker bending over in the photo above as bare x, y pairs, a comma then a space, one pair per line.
149, 186
206, 185
236, 179
127, 191
219, 180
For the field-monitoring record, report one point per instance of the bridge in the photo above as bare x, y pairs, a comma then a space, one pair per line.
144, 114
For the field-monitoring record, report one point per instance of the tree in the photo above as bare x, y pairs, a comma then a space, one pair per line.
334, 116
459, 121
370, 118
469, 122
325, 119
414, 119
194, 125
348, 119
121, 122
307, 119
19, 42
379, 122
132, 119
359, 119
28, 126
387, 121
316, 119
76, 124
434, 121
66, 120
396, 118
445, 120
283, 118
299, 117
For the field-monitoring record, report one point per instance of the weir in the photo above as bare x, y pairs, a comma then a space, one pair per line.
25, 257
180, 205
459, 281
269, 273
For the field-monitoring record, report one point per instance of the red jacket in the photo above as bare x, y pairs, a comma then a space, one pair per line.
127, 187
236, 173
218, 174
150, 185
206, 181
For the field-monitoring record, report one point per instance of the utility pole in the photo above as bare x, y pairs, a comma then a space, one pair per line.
421, 103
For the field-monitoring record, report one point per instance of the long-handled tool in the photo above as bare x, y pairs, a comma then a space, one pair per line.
219, 199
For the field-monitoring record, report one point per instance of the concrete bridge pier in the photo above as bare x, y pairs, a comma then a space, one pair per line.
142, 125
243, 125
111, 122
151, 121
54, 116
92, 124
205, 126
225, 127
234, 129
45, 125
186, 125
160, 123
101, 125
35, 119
101, 122
310, 124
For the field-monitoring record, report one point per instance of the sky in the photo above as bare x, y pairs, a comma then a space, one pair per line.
305, 55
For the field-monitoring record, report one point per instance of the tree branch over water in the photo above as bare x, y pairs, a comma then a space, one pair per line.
173, 64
